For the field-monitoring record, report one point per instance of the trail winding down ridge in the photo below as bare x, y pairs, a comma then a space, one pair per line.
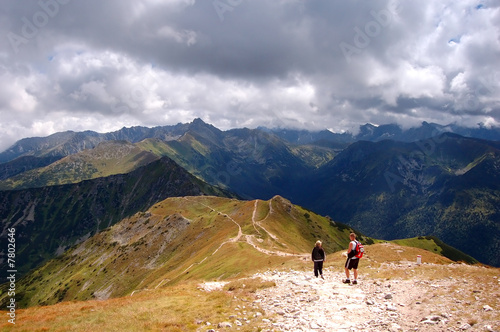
248, 238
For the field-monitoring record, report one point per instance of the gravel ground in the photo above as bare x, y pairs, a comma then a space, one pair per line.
301, 302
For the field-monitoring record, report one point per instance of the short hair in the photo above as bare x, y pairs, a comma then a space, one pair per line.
353, 235
318, 243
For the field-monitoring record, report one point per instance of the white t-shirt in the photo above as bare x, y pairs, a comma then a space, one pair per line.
353, 247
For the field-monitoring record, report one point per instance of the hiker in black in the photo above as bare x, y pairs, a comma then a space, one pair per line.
318, 257
352, 261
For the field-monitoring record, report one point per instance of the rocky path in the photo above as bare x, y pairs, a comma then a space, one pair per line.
301, 302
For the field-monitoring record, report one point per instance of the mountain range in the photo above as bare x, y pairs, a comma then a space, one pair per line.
373, 133
447, 186
385, 182
66, 143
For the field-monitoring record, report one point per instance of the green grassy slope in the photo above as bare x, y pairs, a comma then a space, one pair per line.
178, 239
435, 245
185, 239
108, 158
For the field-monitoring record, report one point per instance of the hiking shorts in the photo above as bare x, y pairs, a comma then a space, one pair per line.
352, 263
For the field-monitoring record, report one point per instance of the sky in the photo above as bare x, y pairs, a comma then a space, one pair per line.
309, 64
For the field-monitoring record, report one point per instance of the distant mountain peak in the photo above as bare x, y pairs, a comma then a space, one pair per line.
198, 121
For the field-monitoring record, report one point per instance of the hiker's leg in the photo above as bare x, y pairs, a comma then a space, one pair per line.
347, 267
355, 274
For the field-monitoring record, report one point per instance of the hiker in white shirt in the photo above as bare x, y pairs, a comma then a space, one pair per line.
352, 261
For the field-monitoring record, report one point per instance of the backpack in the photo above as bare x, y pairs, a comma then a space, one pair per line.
360, 250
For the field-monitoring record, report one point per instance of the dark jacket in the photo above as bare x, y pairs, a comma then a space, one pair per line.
318, 254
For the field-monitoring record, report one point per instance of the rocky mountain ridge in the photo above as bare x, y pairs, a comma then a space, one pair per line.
70, 142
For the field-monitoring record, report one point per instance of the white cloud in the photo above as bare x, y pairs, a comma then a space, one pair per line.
417, 82
101, 65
